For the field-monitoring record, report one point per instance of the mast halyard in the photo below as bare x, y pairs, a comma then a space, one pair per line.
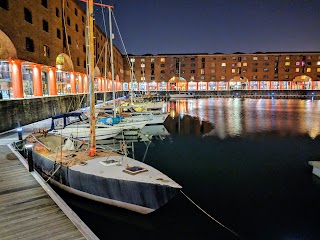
92, 151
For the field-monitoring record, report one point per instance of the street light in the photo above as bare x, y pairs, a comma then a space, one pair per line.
19, 131
29, 148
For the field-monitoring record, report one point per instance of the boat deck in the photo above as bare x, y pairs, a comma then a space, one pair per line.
26, 209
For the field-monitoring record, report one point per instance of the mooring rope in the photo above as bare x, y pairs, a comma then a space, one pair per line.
209, 214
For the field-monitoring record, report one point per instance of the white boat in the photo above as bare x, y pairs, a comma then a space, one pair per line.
75, 125
99, 174
153, 117
107, 177
315, 167
182, 95
155, 130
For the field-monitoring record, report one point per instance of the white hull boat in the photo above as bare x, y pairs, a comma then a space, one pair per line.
108, 177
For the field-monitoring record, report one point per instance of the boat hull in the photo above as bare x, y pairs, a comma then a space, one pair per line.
133, 195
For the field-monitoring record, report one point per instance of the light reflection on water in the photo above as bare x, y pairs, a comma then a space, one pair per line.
234, 117
245, 162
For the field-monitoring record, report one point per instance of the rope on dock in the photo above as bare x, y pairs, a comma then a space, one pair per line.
209, 214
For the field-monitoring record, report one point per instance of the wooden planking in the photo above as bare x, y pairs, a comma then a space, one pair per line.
26, 210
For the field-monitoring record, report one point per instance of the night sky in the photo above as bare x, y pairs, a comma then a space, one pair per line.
210, 26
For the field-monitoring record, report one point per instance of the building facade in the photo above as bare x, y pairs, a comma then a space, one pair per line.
43, 49
43, 53
217, 72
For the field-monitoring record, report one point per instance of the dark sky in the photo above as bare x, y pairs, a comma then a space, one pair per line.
209, 26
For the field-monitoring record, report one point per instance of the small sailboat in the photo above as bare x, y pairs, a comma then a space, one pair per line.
101, 175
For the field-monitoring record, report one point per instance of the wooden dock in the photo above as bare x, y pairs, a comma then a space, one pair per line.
26, 209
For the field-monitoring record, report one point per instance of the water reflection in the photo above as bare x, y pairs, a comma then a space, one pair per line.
234, 117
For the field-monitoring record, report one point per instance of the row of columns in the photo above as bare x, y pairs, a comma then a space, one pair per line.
205, 86
83, 87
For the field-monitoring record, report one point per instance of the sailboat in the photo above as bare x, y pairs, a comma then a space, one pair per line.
101, 175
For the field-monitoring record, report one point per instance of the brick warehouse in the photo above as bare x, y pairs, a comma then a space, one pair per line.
42, 52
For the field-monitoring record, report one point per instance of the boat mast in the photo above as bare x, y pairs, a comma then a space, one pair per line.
105, 73
92, 151
112, 65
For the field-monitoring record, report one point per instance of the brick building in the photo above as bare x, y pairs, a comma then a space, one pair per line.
256, 71
43, 49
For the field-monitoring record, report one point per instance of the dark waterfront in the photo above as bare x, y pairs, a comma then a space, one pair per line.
245, 162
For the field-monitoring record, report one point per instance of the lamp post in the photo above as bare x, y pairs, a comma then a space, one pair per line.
29, 148
19, 131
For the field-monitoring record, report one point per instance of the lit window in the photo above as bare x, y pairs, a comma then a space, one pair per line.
233, 70
303, 77
152, 59
46, 51
162, 60
297, 69
132, 60
223, 77
239, 64
142, 60
202, 71
318, 69
308, 69
287, 63
287, 58
297, 63
223, 64
255, 58
143, 78
244, 64
318, 63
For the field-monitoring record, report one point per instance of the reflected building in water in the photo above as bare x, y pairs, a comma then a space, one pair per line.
235, 117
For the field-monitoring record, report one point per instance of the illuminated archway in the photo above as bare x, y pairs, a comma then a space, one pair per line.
7, 49
64, 63
238, 82
176, 83
302, 82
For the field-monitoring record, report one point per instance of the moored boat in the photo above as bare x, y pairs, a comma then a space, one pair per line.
108, 177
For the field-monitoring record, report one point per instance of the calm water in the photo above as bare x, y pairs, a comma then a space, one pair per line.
245, 162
